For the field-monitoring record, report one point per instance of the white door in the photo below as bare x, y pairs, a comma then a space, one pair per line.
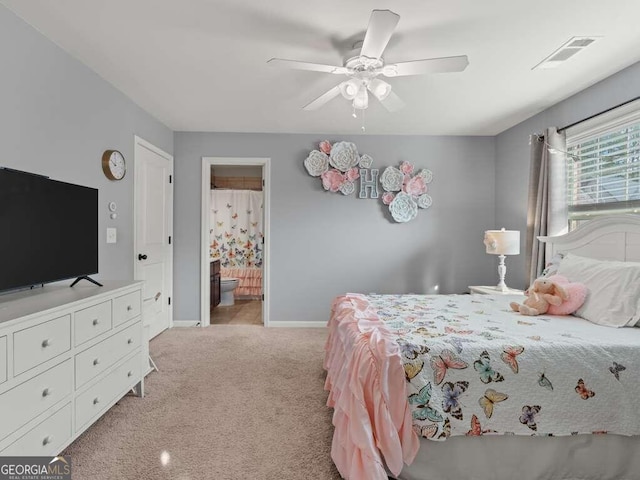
153, 234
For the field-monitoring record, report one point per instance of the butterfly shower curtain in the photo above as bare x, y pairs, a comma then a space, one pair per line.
236, 237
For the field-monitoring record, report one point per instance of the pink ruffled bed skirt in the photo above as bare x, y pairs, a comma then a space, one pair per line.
366, 384
250, 284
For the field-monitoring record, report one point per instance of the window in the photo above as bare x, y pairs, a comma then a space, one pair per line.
603, 165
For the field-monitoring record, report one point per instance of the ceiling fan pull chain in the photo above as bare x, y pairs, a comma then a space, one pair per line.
363, 121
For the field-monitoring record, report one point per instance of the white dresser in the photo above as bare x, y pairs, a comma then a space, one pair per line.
67, 355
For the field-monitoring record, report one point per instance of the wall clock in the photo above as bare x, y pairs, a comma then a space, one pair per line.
114, 165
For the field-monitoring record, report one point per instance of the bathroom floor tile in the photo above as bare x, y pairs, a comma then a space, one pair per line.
243, 312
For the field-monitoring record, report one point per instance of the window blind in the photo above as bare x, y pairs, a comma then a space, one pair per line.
603, 166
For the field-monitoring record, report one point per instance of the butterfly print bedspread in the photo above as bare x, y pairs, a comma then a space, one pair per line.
474, 367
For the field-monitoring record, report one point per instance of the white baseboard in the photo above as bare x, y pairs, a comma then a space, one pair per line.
186, 323
298, 324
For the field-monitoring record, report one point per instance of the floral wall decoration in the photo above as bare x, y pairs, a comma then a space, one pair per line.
411, 191
337, 166
344, 158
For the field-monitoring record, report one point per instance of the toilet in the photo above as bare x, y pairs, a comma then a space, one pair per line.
227, 286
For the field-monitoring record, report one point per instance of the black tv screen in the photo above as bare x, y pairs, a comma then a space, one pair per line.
49, 230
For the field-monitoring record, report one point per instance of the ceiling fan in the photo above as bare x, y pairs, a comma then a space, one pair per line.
363, 69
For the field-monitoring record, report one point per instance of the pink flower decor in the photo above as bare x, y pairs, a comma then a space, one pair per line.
325, 147
387, 198
338, 166
405, 167
352, 174
415, 186
412, 191
332, 180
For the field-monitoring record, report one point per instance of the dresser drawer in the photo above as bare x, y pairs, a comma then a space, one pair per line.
99, 396
45, 439
92, 321
35, 345
126, 307
100, 357
31, 398
3, 359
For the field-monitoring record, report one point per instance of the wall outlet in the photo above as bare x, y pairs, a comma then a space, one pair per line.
112, 235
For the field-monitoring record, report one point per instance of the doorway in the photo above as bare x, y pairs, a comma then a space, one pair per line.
235, 241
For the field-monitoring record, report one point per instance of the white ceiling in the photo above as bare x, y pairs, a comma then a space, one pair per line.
200, 65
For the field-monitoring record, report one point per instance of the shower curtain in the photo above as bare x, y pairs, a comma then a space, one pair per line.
236, 238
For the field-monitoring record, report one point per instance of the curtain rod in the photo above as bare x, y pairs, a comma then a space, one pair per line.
599, 113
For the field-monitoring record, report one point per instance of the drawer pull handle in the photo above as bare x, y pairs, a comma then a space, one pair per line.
47, 440
96, 401
130, 341
129, 373
95, 322
96, 361
129, 308
46, 343
47, 391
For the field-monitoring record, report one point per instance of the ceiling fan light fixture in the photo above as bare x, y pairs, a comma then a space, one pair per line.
349, 89
379, 88
361, 100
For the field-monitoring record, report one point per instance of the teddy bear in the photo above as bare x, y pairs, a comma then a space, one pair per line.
576, 292
543, 293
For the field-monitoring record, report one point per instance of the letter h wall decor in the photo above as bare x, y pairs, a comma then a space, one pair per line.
339, 166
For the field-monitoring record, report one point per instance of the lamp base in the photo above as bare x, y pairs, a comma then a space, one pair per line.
502, 271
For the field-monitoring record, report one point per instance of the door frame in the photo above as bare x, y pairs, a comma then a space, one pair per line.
207, 163
138, 144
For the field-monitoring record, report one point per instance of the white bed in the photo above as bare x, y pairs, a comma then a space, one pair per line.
582, 456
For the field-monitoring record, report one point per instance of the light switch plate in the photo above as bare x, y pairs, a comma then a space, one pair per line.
112, 235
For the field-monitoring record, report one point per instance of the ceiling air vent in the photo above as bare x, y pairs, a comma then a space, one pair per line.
566, 51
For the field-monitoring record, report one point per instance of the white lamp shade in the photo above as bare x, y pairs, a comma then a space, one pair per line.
380, 89
361, 100
502, 242
349, 89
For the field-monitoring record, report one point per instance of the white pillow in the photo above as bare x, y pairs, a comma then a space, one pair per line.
613, 297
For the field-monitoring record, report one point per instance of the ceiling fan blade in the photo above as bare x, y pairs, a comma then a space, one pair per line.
314, 67
381, 26
393, 102
324, 98
430, 65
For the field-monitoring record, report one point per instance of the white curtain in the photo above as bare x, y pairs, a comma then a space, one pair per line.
547, 208
236, 228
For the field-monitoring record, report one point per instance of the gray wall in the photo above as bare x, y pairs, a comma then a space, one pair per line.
512, 152
57, 117
325, 244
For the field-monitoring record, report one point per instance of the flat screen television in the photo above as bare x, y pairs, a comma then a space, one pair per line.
49, 230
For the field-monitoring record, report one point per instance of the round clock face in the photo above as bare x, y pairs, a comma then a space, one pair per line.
114, 165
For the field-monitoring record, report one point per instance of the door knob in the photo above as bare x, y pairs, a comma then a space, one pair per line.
142, 256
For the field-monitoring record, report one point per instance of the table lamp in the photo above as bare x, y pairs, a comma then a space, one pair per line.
502, 242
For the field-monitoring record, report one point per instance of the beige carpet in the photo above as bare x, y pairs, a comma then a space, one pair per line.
229, 402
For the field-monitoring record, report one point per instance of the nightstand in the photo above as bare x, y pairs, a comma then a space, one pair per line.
485, 290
